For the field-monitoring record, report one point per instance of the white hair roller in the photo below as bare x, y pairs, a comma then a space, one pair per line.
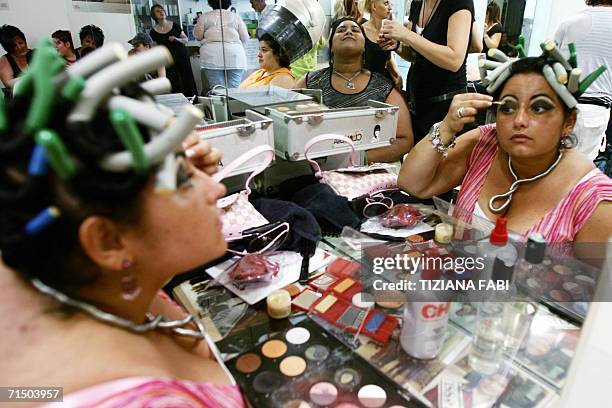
118, 74
144, 113
574, 80
560, 72
493, 75
561, 90
498, 55
157, 86
501, 78
97, 60
551, 49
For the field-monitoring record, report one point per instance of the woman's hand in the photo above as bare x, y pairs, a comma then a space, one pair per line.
463, 110
201, 154
388, 45
393, 30
172, 38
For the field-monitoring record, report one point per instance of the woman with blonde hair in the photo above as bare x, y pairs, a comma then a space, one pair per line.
378, 59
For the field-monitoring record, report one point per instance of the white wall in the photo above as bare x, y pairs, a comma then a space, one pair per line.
38, 19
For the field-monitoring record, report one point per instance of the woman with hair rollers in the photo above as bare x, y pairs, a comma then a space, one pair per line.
522, 167
96, 215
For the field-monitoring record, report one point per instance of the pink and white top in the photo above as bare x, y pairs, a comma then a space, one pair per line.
154, 393
562, 222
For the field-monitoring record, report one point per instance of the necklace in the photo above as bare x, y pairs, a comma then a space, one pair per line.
153, 322
517, 183
433, 10
349, 81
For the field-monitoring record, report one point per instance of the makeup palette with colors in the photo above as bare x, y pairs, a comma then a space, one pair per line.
304, 367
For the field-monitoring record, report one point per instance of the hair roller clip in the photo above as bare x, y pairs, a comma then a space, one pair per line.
4, 121
498, 55
159, 147
38, 162
573, 59
520, 49
503, 76
560, 73
131, 138
44, 218
574, 80
57, 154
551, 49
118, 74
144, 113
584, 85
73, 88
561, 90
521, 41
39, 80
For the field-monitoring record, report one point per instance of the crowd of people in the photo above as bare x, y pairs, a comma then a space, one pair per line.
87, 280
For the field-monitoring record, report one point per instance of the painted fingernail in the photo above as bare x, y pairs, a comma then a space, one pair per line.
190, 153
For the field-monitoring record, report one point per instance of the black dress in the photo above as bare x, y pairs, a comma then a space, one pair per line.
495, 29
427, 80
16, 70
179, 74
376, 58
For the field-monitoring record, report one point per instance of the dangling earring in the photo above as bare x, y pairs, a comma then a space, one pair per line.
129, 285
569, 141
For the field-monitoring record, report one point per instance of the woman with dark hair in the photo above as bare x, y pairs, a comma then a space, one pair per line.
522, 167
170, 35
273, 66
493, 29
91, 37
63, 43
223, 35
17, 57
436, 41
346, 83
91, 230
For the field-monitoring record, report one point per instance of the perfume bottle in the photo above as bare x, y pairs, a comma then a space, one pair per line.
489, 337
497, 246
530, 270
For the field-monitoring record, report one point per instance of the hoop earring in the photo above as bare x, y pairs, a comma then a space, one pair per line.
130, 289
568, 141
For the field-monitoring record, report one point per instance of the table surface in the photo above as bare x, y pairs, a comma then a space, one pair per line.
533, 376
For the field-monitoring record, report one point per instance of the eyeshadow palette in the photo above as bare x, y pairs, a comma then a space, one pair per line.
304, 367
343, 313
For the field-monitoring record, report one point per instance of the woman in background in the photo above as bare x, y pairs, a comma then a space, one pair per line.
346, 83
65, 46
223, 35
91, 37
493, 29
273, 66
378, 59
170, 35
17, 57
436, 41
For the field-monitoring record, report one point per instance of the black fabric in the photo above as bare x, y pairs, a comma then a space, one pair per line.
376, 58
378, 88
180, 74
330, 209
426, 116
426, 79
303, 224
495, 29
16, 70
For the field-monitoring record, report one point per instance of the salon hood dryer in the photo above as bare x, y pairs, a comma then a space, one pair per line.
297, 25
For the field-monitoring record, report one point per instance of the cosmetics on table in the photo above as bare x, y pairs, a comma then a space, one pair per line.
304, 367
343, 313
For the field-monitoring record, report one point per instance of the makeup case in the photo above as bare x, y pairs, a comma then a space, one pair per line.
236, 137
368, 127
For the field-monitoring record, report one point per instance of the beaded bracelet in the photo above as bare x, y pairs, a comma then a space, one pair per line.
437, 142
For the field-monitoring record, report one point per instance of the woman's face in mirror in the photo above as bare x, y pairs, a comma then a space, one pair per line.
348, 36
266, 57
531, 119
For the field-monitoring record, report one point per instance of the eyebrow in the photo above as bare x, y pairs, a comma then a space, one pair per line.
531, 99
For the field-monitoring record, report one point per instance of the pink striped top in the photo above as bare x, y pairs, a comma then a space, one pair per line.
150, 392
561, 223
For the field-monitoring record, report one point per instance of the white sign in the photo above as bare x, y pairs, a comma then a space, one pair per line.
102, 6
